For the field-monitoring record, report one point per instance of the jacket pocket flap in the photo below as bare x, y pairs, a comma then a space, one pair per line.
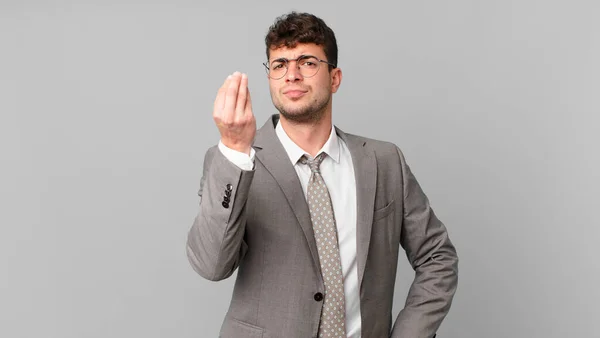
382, 212
234, 328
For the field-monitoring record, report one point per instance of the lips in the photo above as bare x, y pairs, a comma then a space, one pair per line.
294, 93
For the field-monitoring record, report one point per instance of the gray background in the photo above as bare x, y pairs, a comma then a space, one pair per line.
106, 115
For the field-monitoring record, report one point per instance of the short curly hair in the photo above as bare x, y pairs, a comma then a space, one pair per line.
290, 29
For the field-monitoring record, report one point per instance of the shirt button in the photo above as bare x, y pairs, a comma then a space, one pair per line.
318, 296
225, 205
229, 187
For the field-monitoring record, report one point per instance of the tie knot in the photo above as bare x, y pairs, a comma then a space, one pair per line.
313, 164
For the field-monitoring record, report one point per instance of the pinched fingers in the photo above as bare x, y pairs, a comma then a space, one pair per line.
233, 113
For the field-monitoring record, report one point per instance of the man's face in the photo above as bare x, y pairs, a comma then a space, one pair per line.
299, 98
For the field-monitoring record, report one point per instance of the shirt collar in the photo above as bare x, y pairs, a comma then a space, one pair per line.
331, 147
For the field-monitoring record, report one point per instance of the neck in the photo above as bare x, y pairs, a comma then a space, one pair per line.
310, 136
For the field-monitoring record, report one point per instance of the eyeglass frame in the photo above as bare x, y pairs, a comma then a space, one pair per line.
287, 62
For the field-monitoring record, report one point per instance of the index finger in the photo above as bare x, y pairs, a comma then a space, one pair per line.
220, 98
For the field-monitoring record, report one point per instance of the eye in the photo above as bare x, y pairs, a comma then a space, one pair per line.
277, 65
309, 62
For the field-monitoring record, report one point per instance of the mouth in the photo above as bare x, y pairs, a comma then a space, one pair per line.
294, 93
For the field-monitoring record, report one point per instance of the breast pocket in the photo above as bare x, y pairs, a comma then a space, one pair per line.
384, 211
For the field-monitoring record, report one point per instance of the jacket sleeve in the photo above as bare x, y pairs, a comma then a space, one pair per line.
433, 258
215, 243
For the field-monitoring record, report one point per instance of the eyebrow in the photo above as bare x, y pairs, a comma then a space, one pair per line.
299, 56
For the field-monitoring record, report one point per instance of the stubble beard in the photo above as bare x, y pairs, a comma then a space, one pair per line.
308, 113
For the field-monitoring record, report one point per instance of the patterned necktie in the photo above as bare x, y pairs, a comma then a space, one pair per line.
333, 323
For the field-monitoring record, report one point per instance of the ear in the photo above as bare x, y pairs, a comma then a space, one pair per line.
336, 79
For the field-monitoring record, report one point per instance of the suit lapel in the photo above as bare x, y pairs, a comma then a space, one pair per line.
365, 172
272, 155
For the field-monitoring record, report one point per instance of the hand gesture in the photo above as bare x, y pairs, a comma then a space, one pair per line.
233, 113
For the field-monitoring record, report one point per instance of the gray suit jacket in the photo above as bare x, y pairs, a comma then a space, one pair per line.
258, 222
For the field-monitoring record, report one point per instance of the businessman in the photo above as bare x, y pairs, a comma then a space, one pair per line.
314, 218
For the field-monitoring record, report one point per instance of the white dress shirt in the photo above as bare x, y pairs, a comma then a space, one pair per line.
338, 173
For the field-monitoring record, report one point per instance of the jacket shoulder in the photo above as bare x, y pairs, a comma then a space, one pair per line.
382, 149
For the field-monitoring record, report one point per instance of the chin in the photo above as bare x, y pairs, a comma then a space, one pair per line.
296, 109
300, 114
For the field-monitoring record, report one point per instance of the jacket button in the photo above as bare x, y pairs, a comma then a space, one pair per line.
229, 187
226, 199
318, 296
225, 205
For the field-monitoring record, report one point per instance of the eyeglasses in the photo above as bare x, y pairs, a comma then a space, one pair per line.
308, 66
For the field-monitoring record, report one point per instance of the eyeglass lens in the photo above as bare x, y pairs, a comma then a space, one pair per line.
307, 66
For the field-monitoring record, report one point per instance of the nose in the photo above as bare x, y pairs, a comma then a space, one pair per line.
293, 72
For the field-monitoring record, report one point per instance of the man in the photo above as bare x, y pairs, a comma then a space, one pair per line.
313, 218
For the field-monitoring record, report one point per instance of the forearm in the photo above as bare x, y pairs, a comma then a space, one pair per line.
431, 293
215, 242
